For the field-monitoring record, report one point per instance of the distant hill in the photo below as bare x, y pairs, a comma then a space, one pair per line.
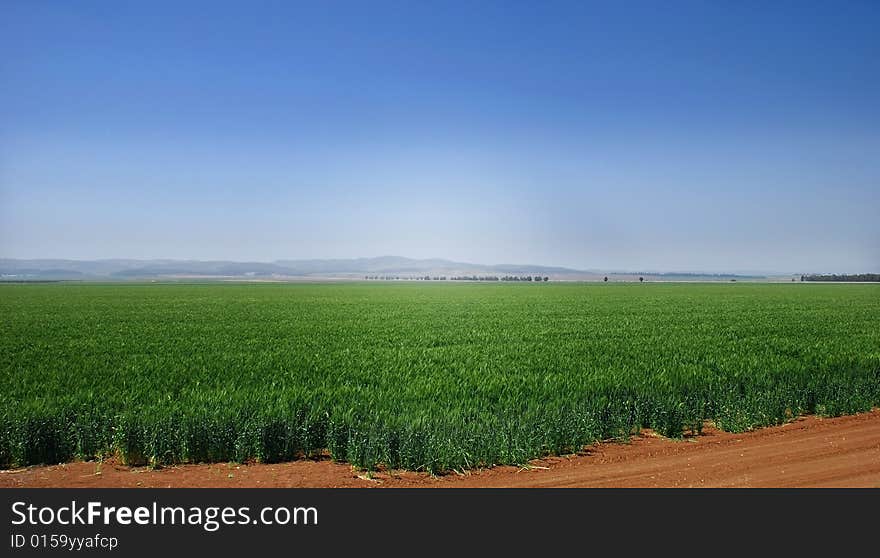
355, 268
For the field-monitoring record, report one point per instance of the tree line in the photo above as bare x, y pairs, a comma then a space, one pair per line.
858, 277
526, 278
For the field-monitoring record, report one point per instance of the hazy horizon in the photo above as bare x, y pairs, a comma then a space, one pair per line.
687, 137
621, 271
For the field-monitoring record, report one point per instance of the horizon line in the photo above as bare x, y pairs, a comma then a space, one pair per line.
594, 270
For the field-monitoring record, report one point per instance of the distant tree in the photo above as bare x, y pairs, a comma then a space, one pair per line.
546, 279
606, 279
641, 279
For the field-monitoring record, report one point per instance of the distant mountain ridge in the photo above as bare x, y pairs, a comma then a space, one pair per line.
293, 268
353, 268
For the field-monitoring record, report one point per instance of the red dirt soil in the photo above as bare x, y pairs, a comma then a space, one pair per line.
808, 452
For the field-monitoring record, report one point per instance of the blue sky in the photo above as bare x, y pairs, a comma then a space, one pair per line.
716, 136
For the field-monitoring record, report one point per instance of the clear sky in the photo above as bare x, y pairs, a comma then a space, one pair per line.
712, 136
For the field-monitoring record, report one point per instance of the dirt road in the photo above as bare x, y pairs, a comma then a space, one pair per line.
811, 451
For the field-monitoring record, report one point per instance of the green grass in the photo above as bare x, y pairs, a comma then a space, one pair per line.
426, 377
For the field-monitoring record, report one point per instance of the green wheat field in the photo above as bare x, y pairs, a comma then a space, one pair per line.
417, 376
